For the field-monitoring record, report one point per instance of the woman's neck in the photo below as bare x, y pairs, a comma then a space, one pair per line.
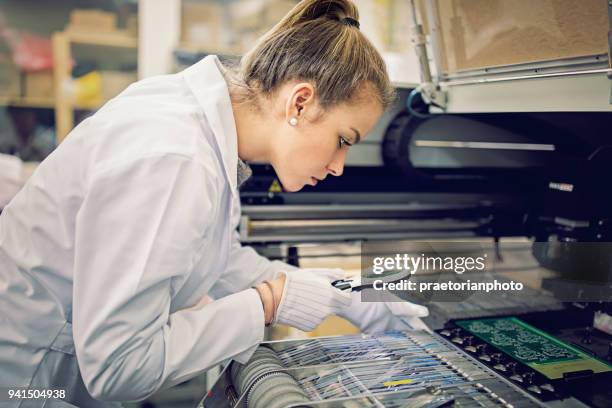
255, 132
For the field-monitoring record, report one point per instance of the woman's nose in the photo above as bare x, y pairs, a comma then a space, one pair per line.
336, 166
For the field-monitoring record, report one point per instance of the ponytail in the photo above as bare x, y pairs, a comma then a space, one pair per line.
318, 41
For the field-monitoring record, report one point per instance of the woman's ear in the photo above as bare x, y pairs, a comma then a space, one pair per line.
301, 99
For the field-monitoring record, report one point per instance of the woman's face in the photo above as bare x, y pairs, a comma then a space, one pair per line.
315, 147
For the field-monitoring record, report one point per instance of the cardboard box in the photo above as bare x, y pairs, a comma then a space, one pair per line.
332, 326
248, 15
114, 82
202, 25
276, 10
92, 20
9, 80
131, 25
248, 39
38, 84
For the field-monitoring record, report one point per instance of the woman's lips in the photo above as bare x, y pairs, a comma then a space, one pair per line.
314, 181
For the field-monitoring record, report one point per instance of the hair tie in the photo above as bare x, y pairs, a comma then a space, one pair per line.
350, 22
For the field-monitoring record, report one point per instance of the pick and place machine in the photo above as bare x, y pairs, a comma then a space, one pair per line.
493, 145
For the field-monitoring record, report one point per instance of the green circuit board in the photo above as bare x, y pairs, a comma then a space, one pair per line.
533, 347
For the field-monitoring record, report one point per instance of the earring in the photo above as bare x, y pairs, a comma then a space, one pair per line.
293, 121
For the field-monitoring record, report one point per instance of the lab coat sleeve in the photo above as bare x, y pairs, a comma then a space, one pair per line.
246, 267
140, 228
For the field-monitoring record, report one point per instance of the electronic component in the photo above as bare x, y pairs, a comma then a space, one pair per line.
532, 359
533, 347
407, 369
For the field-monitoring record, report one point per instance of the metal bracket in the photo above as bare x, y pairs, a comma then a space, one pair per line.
430, 91
433, 95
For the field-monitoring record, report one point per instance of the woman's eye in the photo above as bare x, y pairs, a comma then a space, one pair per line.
342, 141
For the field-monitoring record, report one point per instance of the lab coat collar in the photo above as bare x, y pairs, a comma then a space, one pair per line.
206, 81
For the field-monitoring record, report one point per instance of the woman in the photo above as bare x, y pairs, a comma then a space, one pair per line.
107, 252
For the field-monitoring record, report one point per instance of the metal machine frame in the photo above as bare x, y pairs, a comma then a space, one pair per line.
541, 85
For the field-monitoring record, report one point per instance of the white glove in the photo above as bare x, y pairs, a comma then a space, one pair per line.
308, 298
328, 273
374, 317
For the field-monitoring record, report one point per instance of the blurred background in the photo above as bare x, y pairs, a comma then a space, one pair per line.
61, 60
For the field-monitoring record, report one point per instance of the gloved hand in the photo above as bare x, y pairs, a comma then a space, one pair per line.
308, 298
374, 317
328, 273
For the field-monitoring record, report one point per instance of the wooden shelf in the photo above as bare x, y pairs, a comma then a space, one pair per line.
27, 102
62, 56
119, 38
49, 103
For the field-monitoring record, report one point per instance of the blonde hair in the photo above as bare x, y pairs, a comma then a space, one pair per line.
316, 42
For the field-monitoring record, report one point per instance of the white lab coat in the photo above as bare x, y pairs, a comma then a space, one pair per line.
112, 243
11, 177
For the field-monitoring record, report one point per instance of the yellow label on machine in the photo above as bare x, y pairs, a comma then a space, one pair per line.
398, 382
275, 187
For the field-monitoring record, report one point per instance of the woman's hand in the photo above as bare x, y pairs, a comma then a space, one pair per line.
395, 314
308, 298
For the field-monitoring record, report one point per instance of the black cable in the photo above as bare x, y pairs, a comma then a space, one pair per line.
410, 108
